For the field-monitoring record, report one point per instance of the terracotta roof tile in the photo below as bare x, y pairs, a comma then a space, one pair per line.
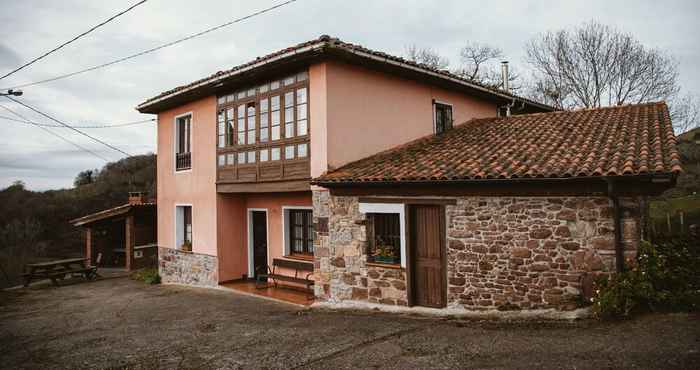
326, 41
612, 141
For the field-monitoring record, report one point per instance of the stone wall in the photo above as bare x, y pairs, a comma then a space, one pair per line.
531, 252
180, 267
503, 253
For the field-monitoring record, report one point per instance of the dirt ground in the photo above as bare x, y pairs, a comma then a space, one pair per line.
119, 323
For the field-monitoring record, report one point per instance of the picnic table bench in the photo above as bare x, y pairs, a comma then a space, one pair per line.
58, 270
299, 267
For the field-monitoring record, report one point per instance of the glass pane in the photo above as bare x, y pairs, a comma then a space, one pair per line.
263, 88
301, 96
275, 102
289, 115
301, 111
275, 132
221, 100
241, 157
230, 98
230, 159
251, 157
289, 130
241, 138
221, 126
221, 141
251, 122
263, 155
251, 111
289, 99
289, 152
275, 154
263, 120
229, 113
263, 105
241, 124
302, 76
221, 117
263, 135
241, 94
251, 92
241, 111
289, 80
251, 137
274, 85
222, 160
276, 118
302, 128
302, 150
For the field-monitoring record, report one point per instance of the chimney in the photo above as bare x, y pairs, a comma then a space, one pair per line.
504, 75
137, 197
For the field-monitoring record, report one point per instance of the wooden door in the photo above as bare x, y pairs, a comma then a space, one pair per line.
259, 242
428, 275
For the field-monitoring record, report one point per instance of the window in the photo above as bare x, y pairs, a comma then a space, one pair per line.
275, 154
289, 152
301, 240
241, 124
222, 160
384, 235
230, 119
230, 158
302, 150
241, 157
264, 121
221, 127
251, 123
183, 158
251, 157
263, 155
275, 115
289, 114
302, 125
443, 117
183, 227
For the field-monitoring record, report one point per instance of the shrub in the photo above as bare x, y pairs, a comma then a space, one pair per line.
664, 278
148, 276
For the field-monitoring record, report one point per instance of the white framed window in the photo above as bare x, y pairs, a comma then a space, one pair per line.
390, 208
298, 230
183, 227
183, 142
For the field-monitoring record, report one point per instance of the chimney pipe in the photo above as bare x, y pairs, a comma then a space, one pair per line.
504, 75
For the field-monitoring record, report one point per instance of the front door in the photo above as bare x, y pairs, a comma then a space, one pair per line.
259, 242
428, 280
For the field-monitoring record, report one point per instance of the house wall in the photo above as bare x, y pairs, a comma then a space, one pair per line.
364, 112
196, 187
233, 228
503, 253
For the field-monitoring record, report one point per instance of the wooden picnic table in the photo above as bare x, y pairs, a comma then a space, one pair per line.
59, 269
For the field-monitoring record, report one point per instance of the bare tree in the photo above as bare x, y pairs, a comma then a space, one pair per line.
596, 65
685, 113
481, 63
426, 56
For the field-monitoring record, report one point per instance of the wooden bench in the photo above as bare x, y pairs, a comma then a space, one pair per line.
299, 267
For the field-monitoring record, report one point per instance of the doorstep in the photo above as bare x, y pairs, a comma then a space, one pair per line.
280, 293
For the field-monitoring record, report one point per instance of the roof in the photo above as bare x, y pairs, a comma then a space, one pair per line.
324, 45
613, 141
109, 213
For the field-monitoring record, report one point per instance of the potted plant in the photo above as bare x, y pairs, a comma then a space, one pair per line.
186, 246
384, 253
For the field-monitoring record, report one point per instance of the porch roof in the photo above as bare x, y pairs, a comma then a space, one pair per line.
109, 213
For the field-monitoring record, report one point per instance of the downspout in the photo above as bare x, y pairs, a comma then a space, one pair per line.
617, 220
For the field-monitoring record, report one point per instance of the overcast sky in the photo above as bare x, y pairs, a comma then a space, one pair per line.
30, 28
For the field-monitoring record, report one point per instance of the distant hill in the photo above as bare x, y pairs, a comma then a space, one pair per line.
34, 224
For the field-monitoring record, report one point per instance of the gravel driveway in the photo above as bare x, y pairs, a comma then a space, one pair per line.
119, 323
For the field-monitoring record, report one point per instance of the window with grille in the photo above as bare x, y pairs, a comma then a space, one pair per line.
443, 117
183, 157
384, 235
301, 240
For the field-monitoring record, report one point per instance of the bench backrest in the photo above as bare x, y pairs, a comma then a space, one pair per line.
296, 265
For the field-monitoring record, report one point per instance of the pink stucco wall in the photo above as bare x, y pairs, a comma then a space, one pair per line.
196, 186
356, 112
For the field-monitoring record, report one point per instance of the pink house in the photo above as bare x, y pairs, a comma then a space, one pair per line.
255, 161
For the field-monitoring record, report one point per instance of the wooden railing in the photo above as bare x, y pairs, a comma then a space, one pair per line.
183, 161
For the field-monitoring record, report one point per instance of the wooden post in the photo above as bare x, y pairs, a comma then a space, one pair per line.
88, 244
129, 241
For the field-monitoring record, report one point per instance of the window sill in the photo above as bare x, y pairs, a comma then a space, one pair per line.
385, 265
301, 257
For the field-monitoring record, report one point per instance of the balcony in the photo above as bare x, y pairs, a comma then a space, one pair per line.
183, 161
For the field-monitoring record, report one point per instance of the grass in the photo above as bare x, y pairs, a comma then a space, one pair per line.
147, 275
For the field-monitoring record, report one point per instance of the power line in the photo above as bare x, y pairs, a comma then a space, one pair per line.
70, 41
60, 77
68, 126
78, 126
57, 135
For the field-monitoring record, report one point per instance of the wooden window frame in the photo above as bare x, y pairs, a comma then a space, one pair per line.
373, 219
182, 153
306, 229
438, 105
